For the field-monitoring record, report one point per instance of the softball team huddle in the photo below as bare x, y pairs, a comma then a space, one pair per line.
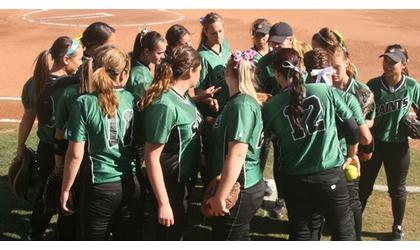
133, 133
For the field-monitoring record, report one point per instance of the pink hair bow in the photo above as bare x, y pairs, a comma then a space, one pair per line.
248, 55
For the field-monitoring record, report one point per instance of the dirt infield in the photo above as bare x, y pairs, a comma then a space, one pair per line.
24, 33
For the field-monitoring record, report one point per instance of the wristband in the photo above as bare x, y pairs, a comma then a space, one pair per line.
367, 149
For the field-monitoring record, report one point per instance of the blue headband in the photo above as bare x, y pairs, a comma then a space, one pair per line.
74, 45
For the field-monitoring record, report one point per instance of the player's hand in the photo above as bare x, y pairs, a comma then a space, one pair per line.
354, 160
64, 198
165, 215
363, 157
210, 91
217, 206
263, 97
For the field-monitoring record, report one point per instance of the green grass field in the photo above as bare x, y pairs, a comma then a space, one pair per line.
14, 213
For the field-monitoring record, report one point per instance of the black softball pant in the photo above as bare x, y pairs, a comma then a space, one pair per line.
39, 219
309, 196
355, 206
111, 209
67, 225
179, 194
236, 225
265, 150
396, 160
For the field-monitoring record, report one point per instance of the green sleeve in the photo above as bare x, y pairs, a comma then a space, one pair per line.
159, 121
28, 95
204, 75
262, 76
240, 124
356, 109
416, 95
341, 108
372, 113
77, 126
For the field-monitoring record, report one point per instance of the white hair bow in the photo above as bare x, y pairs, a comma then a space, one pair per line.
323, 73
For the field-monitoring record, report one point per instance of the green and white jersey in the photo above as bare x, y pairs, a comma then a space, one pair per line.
265, 74
240, 121
140, 80
174, 120
45, 133
357, 112
64, 105
212, 73
392, 105
315, 147
109, 139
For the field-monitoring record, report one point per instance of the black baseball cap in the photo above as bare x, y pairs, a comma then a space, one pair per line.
263, 28
396, 55
279, 32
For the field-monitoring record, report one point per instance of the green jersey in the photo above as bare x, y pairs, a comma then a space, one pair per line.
314, 147
140, 79
109, 139
392, 105
45, 132
265, 74
64, 105
212, 73
239, 121
174, 120
354, 106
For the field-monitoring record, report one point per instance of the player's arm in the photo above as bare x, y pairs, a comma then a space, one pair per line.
230, 173
72, 162
25, 127
365, 143
155, 174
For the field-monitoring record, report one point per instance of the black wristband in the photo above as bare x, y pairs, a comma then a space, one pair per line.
367, 149
60, 146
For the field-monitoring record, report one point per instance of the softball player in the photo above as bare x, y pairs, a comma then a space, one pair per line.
95, 35
172, 143
237, 136
177, 35
280, 36
344, 85
66, 55
326, 38
260, 29
310, 160
395, 92
214, 52
70, 229
148, 51
110, 195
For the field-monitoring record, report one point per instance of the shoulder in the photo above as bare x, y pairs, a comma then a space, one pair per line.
410, 81
244, 101
374, 81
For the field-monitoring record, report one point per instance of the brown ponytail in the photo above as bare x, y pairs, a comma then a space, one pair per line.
286, 61
41, 71
101, 73
182, 59
107, 99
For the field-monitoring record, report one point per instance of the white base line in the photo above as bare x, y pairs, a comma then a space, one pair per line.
41, 20
9, 121
7, 98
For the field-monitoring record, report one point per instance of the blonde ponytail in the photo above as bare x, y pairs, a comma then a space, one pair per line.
247, 79
107, 99
161, 83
